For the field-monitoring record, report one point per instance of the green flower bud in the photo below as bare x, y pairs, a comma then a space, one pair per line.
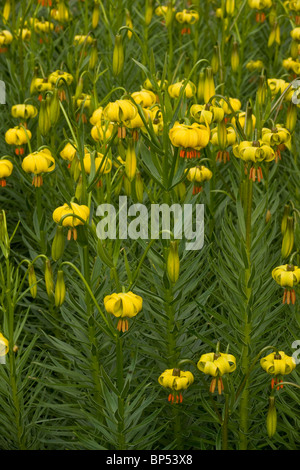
271, 418
58, 244
32, 281
60, 289
173, 262
118, 55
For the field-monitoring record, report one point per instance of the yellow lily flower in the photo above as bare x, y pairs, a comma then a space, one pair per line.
123, 306
191, 138
217, 365
120, 112
4, 345
176, 379
287, 276
175, 89
233, 106
6, 168
206, 114
256, 151
17, 136
145, 98
278, 364
37, 163
70, 210
23, 111
198, 175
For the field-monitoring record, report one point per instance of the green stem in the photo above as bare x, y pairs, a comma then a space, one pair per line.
244, 405
120, 385
12, 364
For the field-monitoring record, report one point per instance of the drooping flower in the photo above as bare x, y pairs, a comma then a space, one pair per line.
287, 276
217, 365
175, 89
277, 137
207, 113
24, 111
67, 213
6, 168
18, 136
190, 138
120, 112
145, 98
123, 306
278, 364
255, 152
37, 163
176, 380
198, 175
4, 345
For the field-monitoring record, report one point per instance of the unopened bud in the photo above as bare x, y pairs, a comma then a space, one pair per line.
96, 15
222, 135
173, 262
291, 117
32, 281
148, 12
286, 213
49, 279
130, 163
118, 55
58, 244
235, 59
268, 216
230, 4
262, 90
288, 238
60, 289
44, 117
215, 59
209, 85
54, 110
200, 88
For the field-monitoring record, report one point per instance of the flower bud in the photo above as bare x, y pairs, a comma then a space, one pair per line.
169, 14
249, 128
94, 56
130, 163
262, 90
54, 110
200, 88
291, 117
209, 85
95, 15
44, 117
288, 238
32, 281
4, 238
78, 191
235, 59
271, 417
139, 187
294, 49
60, 289
58, 244
215, 59
49, 279
173, 262
230, 4
127, 185
129, 24
222, 135
118, 55
148, 12
268, 216
79, 88
286, 213
6, 10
